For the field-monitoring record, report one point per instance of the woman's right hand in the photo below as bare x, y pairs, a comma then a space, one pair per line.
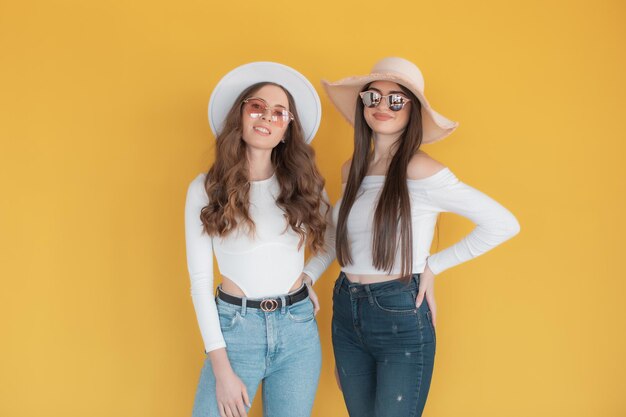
232, 396
427, 291
230, 391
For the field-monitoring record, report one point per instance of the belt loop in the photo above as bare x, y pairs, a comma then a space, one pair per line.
369, 294
339, 282
244, 305
283, 302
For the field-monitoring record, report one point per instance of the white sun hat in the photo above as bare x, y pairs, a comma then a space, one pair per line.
232, 84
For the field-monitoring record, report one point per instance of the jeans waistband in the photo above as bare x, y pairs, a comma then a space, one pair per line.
366, 290
267, 304
282, 301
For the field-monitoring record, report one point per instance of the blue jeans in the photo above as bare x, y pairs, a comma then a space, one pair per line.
281, 349
384, 347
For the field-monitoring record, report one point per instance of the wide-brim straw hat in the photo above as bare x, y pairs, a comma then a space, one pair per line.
344, 93
232, 84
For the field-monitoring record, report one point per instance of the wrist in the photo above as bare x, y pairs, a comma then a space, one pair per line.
220, 363
222, 370
427, 268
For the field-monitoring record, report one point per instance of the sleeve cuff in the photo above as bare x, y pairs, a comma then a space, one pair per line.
432, 264
214, 346
311, 275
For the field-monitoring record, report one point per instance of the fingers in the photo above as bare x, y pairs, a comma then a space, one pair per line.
430, 299
432, 305
241, 410
314, 300
235, 407
420, 296
232, 409
246, 398
232, 396
238, 405
316, 304
426, 285
225, 409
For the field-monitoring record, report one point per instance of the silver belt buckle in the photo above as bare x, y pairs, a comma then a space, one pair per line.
268, 305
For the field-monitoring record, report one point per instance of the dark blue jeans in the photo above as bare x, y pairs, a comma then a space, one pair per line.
384, 347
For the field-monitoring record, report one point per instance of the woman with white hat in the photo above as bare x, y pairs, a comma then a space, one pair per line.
383, 333
260, 204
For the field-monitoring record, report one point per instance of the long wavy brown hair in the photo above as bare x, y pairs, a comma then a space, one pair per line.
301, 185
392, 218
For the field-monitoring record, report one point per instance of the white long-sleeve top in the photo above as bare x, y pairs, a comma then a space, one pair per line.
440, 192
262, 265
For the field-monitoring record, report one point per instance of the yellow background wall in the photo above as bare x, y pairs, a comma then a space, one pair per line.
103, 125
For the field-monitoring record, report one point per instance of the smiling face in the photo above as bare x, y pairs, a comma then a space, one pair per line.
382, 120
261, 133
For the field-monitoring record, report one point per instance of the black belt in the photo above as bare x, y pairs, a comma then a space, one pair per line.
266, 304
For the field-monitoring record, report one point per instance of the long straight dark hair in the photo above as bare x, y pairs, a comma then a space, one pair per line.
392, 218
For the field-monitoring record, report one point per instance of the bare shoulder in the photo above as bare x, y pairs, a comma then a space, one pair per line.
345, 170
422, 166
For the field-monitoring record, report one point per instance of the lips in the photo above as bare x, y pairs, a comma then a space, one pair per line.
262, 130
382, 117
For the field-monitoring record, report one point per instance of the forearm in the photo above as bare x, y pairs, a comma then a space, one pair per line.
494, 223
219, 362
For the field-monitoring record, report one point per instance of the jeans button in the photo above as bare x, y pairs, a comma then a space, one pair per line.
353, 289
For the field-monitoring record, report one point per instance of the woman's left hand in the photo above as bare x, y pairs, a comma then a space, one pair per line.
427, 290
309, 283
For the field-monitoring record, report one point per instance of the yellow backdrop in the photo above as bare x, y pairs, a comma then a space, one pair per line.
104, 124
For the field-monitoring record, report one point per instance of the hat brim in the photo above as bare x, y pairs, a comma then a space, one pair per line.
232, 84
343, 94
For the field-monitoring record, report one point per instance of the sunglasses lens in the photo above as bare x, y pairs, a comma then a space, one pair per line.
280, 117
395, 102
254, 108
370, 99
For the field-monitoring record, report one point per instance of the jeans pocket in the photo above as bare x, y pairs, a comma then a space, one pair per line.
229, 317
429, 315
401, 302
301, 312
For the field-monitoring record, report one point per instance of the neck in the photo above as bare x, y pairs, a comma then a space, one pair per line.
260, 163
384, 148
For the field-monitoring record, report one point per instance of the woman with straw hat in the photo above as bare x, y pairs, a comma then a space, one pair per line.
383, 331
259, 205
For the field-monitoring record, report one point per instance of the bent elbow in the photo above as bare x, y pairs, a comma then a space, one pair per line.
512, 227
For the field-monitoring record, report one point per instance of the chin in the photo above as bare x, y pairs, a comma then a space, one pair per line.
261, 144
386, 130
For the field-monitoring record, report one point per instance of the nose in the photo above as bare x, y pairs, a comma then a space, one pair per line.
267, 111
